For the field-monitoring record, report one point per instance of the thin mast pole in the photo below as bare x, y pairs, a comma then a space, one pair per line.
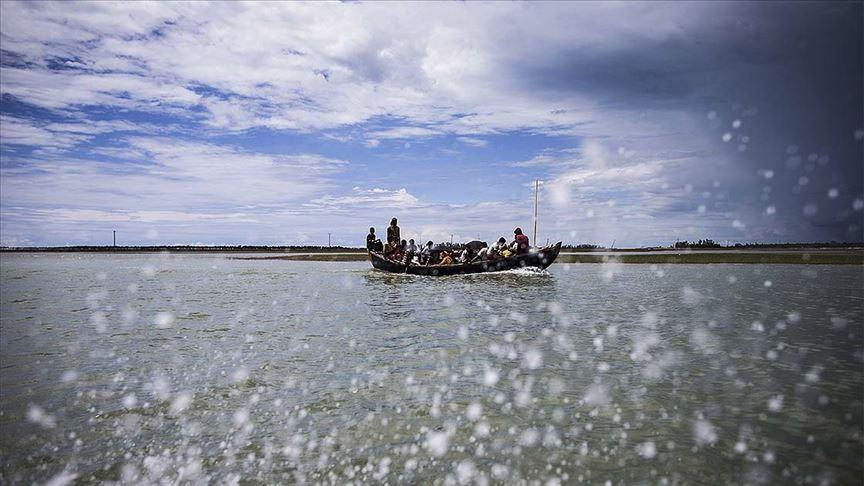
536, 188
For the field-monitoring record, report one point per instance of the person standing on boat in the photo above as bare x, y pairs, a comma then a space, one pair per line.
393, 236
520, 243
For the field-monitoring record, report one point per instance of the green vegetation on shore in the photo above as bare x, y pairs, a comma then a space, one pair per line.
186, 249
812, 258
823, 254
712, 245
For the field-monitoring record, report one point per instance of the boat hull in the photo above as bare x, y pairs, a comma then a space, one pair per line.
541, 259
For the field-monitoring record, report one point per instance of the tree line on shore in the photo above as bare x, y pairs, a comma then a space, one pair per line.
711, 244
186, 248
699, 244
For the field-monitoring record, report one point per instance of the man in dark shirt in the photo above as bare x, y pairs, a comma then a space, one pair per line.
372, 241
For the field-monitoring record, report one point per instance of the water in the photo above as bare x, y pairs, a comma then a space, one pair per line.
145, 368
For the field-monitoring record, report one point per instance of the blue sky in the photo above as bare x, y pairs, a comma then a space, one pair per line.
277, 123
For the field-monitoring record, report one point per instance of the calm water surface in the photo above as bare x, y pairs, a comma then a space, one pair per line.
146, 368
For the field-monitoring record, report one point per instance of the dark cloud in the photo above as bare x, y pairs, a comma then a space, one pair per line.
790, 73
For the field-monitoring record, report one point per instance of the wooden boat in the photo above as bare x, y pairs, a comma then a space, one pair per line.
540, 259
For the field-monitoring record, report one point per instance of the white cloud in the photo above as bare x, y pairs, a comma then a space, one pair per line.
369, 198
433, 70
18, 131
60, 136
316, 66
169, 174
95, 215
474, 142
404, 132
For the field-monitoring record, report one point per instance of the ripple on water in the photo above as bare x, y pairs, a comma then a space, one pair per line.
331, 372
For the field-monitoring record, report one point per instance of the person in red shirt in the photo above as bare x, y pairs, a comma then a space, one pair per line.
520, 243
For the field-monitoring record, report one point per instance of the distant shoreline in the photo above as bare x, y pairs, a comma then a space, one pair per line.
813, 255
829, 257
181, 249
753, 247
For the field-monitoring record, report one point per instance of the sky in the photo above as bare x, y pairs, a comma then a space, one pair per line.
281, 123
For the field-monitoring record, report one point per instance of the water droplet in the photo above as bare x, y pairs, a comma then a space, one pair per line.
164, 320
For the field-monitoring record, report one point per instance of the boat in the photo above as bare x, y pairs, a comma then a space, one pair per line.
536, 258
540, 258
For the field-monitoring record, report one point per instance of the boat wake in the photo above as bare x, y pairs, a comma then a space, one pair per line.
529, 271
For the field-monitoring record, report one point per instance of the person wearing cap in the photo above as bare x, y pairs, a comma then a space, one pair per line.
520, 243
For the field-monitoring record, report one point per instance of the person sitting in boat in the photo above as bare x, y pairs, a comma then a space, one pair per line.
372, 241
402, 252
483, 252
393, 236
498, 248
426, 254
520, 244
446, 259
410, 251
398, 251
467, 255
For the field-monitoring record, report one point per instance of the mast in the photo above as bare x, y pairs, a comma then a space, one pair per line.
536, 189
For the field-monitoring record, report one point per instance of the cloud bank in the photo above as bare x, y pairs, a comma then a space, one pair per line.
234, 123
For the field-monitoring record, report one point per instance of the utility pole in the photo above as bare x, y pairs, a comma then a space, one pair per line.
328, 240
115, 237
536, 189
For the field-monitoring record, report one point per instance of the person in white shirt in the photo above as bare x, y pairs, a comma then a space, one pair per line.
426, 254
500, 246
467, 255
410, 252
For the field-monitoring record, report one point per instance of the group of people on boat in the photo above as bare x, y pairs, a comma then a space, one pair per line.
408, 253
